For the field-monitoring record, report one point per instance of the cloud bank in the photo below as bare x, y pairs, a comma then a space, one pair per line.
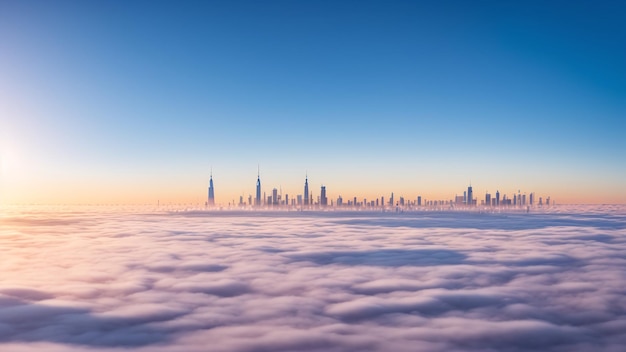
87, 279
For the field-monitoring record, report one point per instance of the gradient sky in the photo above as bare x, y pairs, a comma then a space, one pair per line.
134, 101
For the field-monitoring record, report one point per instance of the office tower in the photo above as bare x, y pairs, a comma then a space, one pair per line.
470, 195
391, 200
497, 198
257, 201
465, 197
419, 201
323, 199
401, 201
211, 201
240, 200
523, 199
299, 196
274, 196
286, 199
250, 199
487, 199
306, 190
532, 199
548, 201
339, 201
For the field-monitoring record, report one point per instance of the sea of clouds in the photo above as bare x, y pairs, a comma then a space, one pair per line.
122, 279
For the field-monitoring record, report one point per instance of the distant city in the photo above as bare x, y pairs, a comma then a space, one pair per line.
308, 201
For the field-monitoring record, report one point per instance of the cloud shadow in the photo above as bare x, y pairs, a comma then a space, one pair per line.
22, 321
383, 257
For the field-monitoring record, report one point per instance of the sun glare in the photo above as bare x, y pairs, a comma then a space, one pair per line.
7, 160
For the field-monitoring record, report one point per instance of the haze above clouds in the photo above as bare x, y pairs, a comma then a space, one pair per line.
91, 279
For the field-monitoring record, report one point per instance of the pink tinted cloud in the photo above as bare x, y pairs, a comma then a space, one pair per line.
131, 279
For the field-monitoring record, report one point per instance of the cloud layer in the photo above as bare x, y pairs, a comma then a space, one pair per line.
88, 279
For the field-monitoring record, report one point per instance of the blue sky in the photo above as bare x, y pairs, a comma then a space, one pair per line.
134, 101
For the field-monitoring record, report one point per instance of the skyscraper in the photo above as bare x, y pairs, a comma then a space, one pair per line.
323, 199
211, 200
306, 190
257, 201
470, 195
497, 198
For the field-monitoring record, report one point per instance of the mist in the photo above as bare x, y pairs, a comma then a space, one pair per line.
142, 279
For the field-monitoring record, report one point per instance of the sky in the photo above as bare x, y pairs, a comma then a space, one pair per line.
136, 102
79, 279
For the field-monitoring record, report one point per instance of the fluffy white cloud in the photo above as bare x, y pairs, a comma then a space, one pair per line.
92, 279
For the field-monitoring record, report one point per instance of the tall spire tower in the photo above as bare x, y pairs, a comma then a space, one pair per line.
257, 201
306, 189
211, 201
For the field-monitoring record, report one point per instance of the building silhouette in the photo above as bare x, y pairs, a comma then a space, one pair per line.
211, 200
470, 195
306, 190
323, 199
257, 200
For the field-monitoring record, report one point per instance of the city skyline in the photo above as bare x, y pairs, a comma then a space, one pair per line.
307, 199
363, 94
